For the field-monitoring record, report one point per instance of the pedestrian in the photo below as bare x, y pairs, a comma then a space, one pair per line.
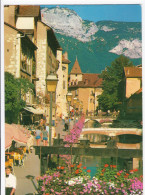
45, 136
38, 135
63, 119
10, 181
30, 142
66, 123
53, 120
44, 119
47, 129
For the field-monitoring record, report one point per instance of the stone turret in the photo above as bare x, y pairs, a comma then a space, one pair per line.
76, 68
75, 74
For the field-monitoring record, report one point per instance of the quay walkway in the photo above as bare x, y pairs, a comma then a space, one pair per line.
31, 167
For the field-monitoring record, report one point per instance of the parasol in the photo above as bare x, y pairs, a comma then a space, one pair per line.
14, 132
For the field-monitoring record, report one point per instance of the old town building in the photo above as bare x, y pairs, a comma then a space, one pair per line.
133, 92
18, 55
62, 85
47, 58
86, 87
133, 80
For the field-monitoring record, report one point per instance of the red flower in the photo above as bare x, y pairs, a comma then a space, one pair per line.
61, 168
114, 166
84, 167
71, 166
135, 170
103, 170
106, 165
79, 166
58, 167
102, 174
131, 171
77, 171
89, 171
127, 174
111, 166
118, 174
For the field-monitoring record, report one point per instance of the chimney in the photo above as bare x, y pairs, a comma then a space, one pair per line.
65, 55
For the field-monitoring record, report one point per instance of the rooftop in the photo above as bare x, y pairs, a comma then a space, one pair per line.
76, 68
28, 10
89, 80
133, 72
65, 60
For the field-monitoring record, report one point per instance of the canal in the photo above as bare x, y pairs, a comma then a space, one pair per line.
97, 140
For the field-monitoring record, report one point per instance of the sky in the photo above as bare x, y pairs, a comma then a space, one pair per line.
125, 13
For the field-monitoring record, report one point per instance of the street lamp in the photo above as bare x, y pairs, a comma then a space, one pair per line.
51, 82
69, 98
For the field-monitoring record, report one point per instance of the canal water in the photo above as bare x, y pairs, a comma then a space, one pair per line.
95, 162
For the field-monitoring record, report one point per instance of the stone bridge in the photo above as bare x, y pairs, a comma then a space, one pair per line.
99, 119
111, 131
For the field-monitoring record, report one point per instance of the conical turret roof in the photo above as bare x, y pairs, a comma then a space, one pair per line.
76, 68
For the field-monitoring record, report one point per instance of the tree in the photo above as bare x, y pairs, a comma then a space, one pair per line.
113, 84
15, 88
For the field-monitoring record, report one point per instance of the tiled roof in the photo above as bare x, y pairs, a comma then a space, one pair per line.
139, 91
89, 80
133, 72
28, 10
65, 60
76, 68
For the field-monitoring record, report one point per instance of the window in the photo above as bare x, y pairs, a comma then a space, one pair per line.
63, 84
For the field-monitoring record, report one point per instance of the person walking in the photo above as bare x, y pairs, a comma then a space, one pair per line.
47, 129
38, 135
30, 143
66, 125
45, 136
10, 181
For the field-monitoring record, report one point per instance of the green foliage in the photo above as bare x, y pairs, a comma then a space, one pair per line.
15, 88
113, 85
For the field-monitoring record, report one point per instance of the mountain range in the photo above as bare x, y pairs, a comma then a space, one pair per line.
96, 45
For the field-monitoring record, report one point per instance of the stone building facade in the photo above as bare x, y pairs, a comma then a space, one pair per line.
133, 80
86, 87
62, 85
133, 92
18, 55
47, 58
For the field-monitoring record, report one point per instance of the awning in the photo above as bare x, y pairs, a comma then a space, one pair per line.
16, 133
34, 111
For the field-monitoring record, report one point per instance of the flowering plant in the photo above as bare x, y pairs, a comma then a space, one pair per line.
62, 181
112, 174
